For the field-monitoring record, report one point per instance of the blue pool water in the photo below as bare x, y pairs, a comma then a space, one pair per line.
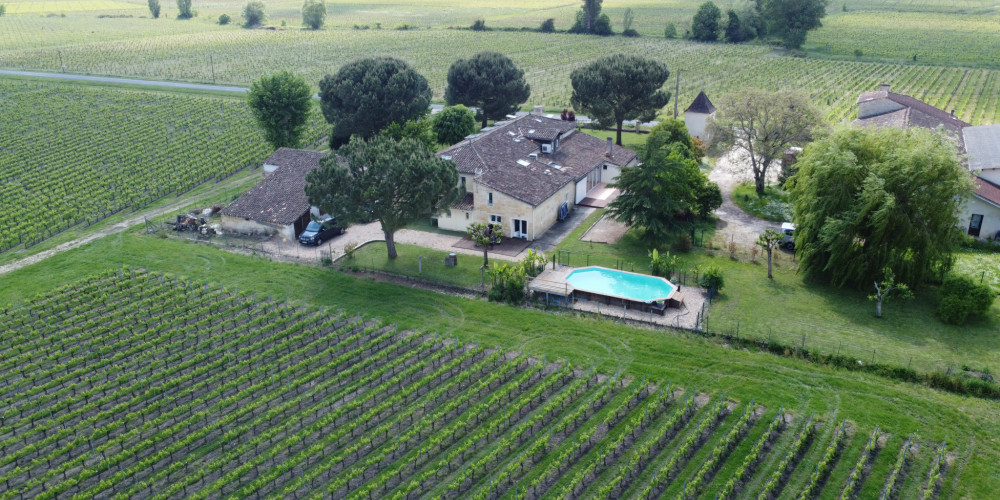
632, 286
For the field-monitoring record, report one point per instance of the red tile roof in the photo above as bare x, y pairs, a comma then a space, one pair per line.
986, 190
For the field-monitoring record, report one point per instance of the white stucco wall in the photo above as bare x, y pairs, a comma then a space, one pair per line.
990, 213
696, 124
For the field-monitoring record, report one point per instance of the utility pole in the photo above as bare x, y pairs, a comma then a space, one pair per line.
212, 63
677, 91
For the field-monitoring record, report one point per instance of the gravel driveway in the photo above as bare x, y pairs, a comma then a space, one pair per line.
735, 224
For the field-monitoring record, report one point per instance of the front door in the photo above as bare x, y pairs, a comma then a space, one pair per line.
975, 225
520, 228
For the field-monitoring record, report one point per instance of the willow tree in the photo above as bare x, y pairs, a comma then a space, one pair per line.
393, 182
870, 199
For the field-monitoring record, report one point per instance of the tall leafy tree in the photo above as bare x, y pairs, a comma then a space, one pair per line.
453, 124
489, 81
393, 182
666, 184
366, 95
184, 9
870, 199
253, 14
281, 104
314, 14
154, 8
705, 25
764, 124
791, 20
620, 87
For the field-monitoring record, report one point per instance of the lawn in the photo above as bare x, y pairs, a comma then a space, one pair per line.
823, 318
659, 355
416, 262
775, 205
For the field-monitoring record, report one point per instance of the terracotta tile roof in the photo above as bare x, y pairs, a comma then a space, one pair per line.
986, 190
280, 198
701, 104
465, 203
501, 158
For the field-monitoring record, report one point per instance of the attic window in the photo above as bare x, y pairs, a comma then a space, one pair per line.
523, 163
532, 131
511, 133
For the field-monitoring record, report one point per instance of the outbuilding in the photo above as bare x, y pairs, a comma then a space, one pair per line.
278, 203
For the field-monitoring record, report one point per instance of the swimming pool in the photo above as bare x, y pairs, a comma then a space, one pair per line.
621, 284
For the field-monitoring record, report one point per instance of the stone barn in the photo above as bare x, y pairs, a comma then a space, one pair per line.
277, 204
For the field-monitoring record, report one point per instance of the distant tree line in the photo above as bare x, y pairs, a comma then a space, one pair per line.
785, 20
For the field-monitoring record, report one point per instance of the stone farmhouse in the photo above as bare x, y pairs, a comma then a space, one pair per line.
529, 172
278, 204
979, 146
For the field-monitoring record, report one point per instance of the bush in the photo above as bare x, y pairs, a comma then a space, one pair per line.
548, 25
662, 264
224, 19
961, 297
253, 14
670, 31
402, 27
684, 243
478, 25
602, 26
349, 249
631, 33
711, 279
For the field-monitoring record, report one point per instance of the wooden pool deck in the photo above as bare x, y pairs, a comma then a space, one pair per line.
551, 285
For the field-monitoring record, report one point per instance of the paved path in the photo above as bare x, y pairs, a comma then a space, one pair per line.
137, 218
127, 81
735, 224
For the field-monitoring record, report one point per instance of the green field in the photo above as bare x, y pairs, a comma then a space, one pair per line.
199, 50
65, 165
183, 366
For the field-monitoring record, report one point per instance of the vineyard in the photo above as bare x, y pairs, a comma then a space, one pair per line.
65, 165
137, 384
241, 56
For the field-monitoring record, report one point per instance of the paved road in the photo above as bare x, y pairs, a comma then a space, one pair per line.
435, 108
127, 81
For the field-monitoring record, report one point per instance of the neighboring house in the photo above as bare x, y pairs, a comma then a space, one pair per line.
277, 204
883, 108
696, 116
529, 172
980, 147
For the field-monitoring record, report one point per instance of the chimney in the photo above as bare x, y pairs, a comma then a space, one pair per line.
953, 113
883, 87
608, 154
538, 110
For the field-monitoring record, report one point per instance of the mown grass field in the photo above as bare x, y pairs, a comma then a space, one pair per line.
188, 308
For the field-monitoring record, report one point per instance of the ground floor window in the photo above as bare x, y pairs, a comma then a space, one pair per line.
976, 224
495, 219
